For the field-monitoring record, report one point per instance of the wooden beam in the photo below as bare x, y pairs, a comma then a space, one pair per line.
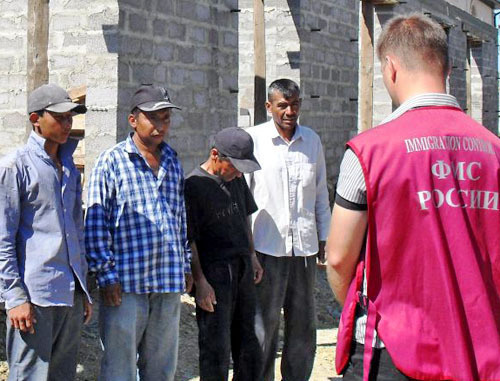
367, 57
38, 42
77, 94
260, 114
382, 2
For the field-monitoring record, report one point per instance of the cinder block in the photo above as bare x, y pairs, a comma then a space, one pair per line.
176, 30
165, 7
164, 52
137, 23
185, 54
197, 34
11, 43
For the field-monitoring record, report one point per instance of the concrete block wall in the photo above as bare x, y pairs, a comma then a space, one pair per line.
484, 83
191, 48
283, 40
14, 126
315, 44
83, 51
489, 74
246, 68
329, 74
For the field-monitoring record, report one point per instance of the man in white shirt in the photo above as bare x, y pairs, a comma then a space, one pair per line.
289, 230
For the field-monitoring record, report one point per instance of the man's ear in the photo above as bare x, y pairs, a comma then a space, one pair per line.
393, 67
33, 117
132, 121
268, 106
214, 154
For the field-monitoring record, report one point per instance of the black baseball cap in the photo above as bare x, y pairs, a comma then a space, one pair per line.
237, 145
53, 98
151, 98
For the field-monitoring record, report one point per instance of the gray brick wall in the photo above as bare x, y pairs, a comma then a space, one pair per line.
484, 84
14, 127
329, 73
191, 48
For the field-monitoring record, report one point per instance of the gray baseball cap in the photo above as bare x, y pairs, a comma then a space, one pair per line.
151, 98
237, 145
53, 98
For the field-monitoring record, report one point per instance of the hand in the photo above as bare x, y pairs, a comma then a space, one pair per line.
188, 282
321, 252
205, 296
258, 271
22, 317
111, 295
87, 310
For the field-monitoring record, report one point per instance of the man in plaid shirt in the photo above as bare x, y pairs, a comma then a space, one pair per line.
137, 245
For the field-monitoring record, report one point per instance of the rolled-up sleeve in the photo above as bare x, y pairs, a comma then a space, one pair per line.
11, 285
98, 238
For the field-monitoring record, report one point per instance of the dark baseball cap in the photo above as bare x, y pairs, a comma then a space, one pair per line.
53, 98
237, 145
151, 98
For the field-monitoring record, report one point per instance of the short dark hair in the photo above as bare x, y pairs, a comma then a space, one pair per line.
38, 112
287, 87
417, 40
135, 112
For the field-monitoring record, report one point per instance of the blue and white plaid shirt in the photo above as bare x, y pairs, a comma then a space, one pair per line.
135, 228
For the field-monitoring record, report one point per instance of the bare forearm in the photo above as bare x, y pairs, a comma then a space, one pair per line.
345, 241
195, 264
339, 283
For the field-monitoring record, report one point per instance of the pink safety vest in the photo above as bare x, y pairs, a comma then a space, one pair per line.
433, 246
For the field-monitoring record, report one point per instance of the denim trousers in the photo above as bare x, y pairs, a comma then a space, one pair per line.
140, 336
288, 283
230, 328
381, 367
50, 354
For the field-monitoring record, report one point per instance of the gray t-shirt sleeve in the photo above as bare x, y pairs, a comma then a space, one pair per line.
351, 185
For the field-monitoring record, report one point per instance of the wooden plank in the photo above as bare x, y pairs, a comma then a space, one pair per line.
38, 40
260, 113
77, 94
367, 56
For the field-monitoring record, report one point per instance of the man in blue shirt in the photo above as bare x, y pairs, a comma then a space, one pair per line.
42, 260
136, 240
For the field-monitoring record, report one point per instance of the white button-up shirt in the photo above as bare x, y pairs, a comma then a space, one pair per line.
290, 191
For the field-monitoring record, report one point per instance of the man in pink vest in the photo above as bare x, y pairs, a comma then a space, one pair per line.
414, 245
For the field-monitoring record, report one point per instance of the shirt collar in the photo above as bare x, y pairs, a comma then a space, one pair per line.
275, 134
165, 149
422, 100
37, 143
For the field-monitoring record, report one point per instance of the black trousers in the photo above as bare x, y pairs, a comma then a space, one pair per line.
288, 283
381, 369
230, 328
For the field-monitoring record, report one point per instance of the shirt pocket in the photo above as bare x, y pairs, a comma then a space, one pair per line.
307, 175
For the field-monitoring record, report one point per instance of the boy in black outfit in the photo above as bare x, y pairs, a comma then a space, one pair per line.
224, 263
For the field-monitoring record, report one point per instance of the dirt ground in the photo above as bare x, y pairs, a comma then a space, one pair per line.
328, 313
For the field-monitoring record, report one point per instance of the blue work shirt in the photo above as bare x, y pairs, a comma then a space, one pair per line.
41, 227
135, 228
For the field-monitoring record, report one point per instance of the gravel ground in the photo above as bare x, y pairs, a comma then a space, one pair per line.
327, 314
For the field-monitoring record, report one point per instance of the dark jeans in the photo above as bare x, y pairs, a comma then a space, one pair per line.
51, 352
231, 326
382, 368
288, 283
